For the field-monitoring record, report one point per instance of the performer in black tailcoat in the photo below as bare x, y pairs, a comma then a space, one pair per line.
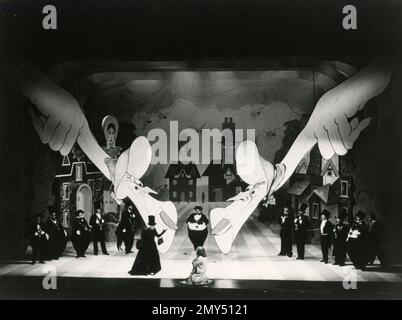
125, 230
57, 235
358, 242
378, 239
300, 225
81, 234
197, 224
98, 231
326, 229
341, 231
147, 261
286, 223
38, 239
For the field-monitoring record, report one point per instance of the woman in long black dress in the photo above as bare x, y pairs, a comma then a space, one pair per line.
147, 261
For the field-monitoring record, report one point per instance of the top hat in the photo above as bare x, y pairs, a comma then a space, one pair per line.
77, 213
198, 208
303, 207
360, 215
326, 213
151, 221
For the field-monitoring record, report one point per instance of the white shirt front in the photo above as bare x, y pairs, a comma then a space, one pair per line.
323, 222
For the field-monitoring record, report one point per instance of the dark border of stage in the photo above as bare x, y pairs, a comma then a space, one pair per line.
30, 287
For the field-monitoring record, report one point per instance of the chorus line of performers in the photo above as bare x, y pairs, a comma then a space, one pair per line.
361, 242
48, 240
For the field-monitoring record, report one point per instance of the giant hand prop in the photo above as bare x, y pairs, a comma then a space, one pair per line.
332, 125
59, 122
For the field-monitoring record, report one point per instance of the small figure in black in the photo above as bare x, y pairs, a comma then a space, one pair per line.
147, 261
341, 231
286, 223
125, 230
57, 235
300, 224
98, 231
378, 238
81, 234
326, 229
197, 224
358, 242
38, 239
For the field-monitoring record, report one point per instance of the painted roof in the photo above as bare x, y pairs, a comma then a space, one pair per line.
190, 170
326, 193
298, 187
217, 169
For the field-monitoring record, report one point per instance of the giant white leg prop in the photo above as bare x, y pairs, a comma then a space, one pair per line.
329, 126
61, 112
130, 167
227, 222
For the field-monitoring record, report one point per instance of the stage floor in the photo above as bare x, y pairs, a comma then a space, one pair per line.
253, 257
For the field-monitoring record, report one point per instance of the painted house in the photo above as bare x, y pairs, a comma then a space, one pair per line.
183, 182
323, 184
223, 181
79, 184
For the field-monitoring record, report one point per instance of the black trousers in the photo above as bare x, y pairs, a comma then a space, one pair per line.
325, 244
56, 245
339, 252
99, 236
38, 250
286, 243
197, 238
128, 239
80, 243
358, 254
300, 239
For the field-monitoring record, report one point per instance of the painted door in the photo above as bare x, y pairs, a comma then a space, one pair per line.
84, 200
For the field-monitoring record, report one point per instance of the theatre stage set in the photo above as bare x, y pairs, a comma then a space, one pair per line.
83, 107
252, 269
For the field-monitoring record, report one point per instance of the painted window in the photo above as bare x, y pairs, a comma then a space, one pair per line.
344, 189
78, 172
190, 194
190, 182
174, 194
175, 182
316, 210
66, 161
65, 220
66, 191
